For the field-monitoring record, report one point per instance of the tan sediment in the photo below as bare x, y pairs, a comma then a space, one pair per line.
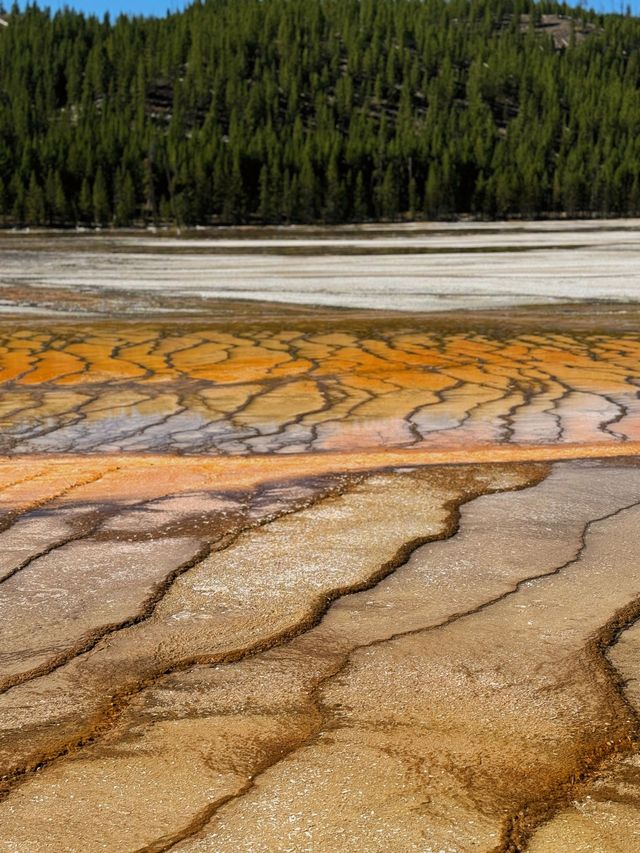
73, 732
523, 723
212, 523
599, 810
97, 591
250, 715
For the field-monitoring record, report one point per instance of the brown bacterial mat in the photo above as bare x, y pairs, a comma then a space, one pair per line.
292, 579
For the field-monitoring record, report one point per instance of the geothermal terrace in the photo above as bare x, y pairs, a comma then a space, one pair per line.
321, 541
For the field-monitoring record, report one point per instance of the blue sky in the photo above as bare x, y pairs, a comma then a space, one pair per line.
114, 7
159, 7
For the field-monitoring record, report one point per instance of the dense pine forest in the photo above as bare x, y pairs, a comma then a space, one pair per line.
319, 111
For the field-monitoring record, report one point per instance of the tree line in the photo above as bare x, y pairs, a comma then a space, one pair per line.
318, 111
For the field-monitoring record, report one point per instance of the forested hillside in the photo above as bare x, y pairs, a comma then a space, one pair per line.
319, 110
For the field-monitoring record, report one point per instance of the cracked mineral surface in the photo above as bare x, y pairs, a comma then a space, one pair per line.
280, 577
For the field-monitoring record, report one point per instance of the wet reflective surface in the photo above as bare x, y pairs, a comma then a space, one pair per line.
279, 579
129, 387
